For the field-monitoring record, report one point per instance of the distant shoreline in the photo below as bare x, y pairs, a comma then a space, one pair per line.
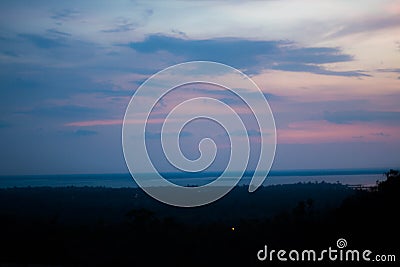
365, 177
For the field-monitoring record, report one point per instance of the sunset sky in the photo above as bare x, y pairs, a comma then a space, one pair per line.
330, 71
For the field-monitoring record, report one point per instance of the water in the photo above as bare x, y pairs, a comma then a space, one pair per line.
351, 177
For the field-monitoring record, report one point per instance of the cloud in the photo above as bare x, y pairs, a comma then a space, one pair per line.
392, 70
368, 24
4, 124
273, 97
10, 54
65, 14
65, 78
64, 112
317, 70
28, 83
316, 55
126, 24
42, 42
122, 25
252, 55
179, 33
95, 123
57, 32
389, 70
157, 135
249, 132
381, 134
346, 117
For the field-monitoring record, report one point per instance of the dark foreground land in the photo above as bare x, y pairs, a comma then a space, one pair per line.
80, 226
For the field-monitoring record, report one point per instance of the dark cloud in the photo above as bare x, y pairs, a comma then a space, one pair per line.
236, 52
232, 46
17, 83
273, 97
43, 42
50, 48
157, 135
346, 117
382, 134
148, 12
231, 101
153, 135
236, 101
57, 32
314, 55
33, 82
64, 112
368, 24
389, 70
10, 54
296, 67
250, 133
77, 132
4, 124
122, 25
251, 55
65, 14
179, 33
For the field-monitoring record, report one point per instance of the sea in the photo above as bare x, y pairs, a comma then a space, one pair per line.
362, 177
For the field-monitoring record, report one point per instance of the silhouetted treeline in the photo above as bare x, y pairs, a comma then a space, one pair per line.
103, 226
372, 217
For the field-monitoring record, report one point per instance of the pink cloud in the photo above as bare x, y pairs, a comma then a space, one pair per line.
326, 132
94, 123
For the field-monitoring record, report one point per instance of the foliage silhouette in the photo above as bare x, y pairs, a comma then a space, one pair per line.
110, 227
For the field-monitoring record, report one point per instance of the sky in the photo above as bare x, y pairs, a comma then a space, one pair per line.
330, 71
